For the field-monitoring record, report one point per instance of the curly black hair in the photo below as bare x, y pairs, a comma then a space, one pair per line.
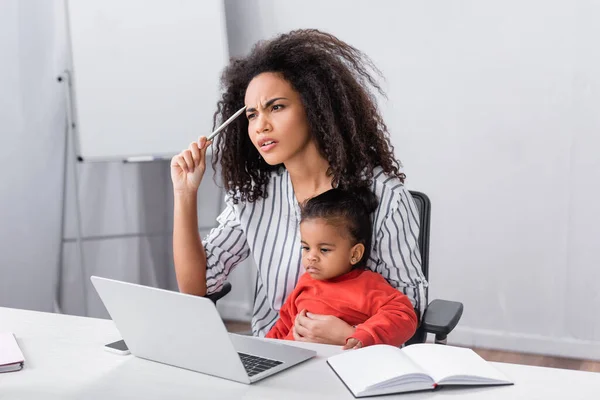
334, 81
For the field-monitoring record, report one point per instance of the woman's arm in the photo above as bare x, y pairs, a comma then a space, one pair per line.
187, 170
201, 267
188, 252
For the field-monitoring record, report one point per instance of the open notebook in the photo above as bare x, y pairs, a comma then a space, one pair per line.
11, 357
382, 369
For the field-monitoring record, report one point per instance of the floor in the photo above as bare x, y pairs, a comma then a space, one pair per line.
539, 360
492, 355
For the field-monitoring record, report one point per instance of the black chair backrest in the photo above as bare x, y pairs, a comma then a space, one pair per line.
424, 207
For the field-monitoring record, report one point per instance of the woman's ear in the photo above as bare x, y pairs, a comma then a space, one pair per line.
356, 253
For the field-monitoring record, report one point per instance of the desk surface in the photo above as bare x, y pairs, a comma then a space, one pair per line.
65, 359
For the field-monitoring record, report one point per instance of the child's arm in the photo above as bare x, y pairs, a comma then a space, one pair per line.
284, 324
392, 322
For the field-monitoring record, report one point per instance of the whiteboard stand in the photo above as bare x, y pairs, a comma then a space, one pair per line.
71, 152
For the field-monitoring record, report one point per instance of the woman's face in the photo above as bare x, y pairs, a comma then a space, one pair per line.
277, 123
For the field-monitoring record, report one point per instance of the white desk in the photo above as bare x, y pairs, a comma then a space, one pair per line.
65, 359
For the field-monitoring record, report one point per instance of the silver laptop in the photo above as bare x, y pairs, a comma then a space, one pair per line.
187, 332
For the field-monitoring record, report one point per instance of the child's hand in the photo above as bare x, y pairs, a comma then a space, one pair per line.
352, 344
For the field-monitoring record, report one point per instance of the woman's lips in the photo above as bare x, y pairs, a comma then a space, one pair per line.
268, 147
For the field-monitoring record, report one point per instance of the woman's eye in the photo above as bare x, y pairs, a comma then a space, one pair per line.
250, 116
277, 107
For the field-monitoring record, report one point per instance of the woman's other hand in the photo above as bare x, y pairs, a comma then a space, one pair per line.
187, 167
318, 328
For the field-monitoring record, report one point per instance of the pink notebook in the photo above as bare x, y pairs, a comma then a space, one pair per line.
11, 357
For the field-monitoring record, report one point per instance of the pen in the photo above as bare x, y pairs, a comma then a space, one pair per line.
224, 124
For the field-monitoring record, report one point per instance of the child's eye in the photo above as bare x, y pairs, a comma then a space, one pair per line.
325, 250
304, 248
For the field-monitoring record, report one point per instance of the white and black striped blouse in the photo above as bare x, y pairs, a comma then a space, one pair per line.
269, 230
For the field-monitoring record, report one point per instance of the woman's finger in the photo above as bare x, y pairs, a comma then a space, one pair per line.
297, 336
181, 163
189, 160
303, 333
301, 314
195, 153
302, 320
174, 160
204, 149
295, 333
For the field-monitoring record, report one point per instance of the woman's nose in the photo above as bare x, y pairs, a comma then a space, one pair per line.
262, 124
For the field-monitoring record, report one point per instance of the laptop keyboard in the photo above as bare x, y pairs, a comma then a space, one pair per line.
255, 365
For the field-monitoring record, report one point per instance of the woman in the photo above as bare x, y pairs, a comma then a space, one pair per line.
311, 124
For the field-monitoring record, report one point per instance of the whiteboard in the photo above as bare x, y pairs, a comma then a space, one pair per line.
145, 74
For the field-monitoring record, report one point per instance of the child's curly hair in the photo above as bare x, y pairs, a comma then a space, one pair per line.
333, 80
349, 210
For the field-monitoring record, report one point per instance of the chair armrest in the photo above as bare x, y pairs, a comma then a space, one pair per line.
441, 317
221, 293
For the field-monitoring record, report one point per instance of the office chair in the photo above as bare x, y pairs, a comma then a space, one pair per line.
440, 316
224, 290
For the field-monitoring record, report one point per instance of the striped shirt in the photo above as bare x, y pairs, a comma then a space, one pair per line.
269, 230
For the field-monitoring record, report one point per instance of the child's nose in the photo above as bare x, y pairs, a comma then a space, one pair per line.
311, 257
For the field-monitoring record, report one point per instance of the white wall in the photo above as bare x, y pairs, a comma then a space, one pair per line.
492, 107
31, 120
126, 208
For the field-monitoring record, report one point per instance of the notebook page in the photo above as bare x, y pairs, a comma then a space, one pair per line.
442, 362
369, 366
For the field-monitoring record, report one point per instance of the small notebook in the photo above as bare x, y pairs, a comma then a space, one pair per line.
11, 357
383, 369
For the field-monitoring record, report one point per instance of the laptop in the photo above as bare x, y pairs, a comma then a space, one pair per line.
187, 331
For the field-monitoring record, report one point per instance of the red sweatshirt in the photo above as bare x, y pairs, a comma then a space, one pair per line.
363, 298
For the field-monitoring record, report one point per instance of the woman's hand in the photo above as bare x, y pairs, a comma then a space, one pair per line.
187, 167
318, 328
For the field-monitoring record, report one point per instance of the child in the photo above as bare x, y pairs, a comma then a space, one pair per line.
335, 229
